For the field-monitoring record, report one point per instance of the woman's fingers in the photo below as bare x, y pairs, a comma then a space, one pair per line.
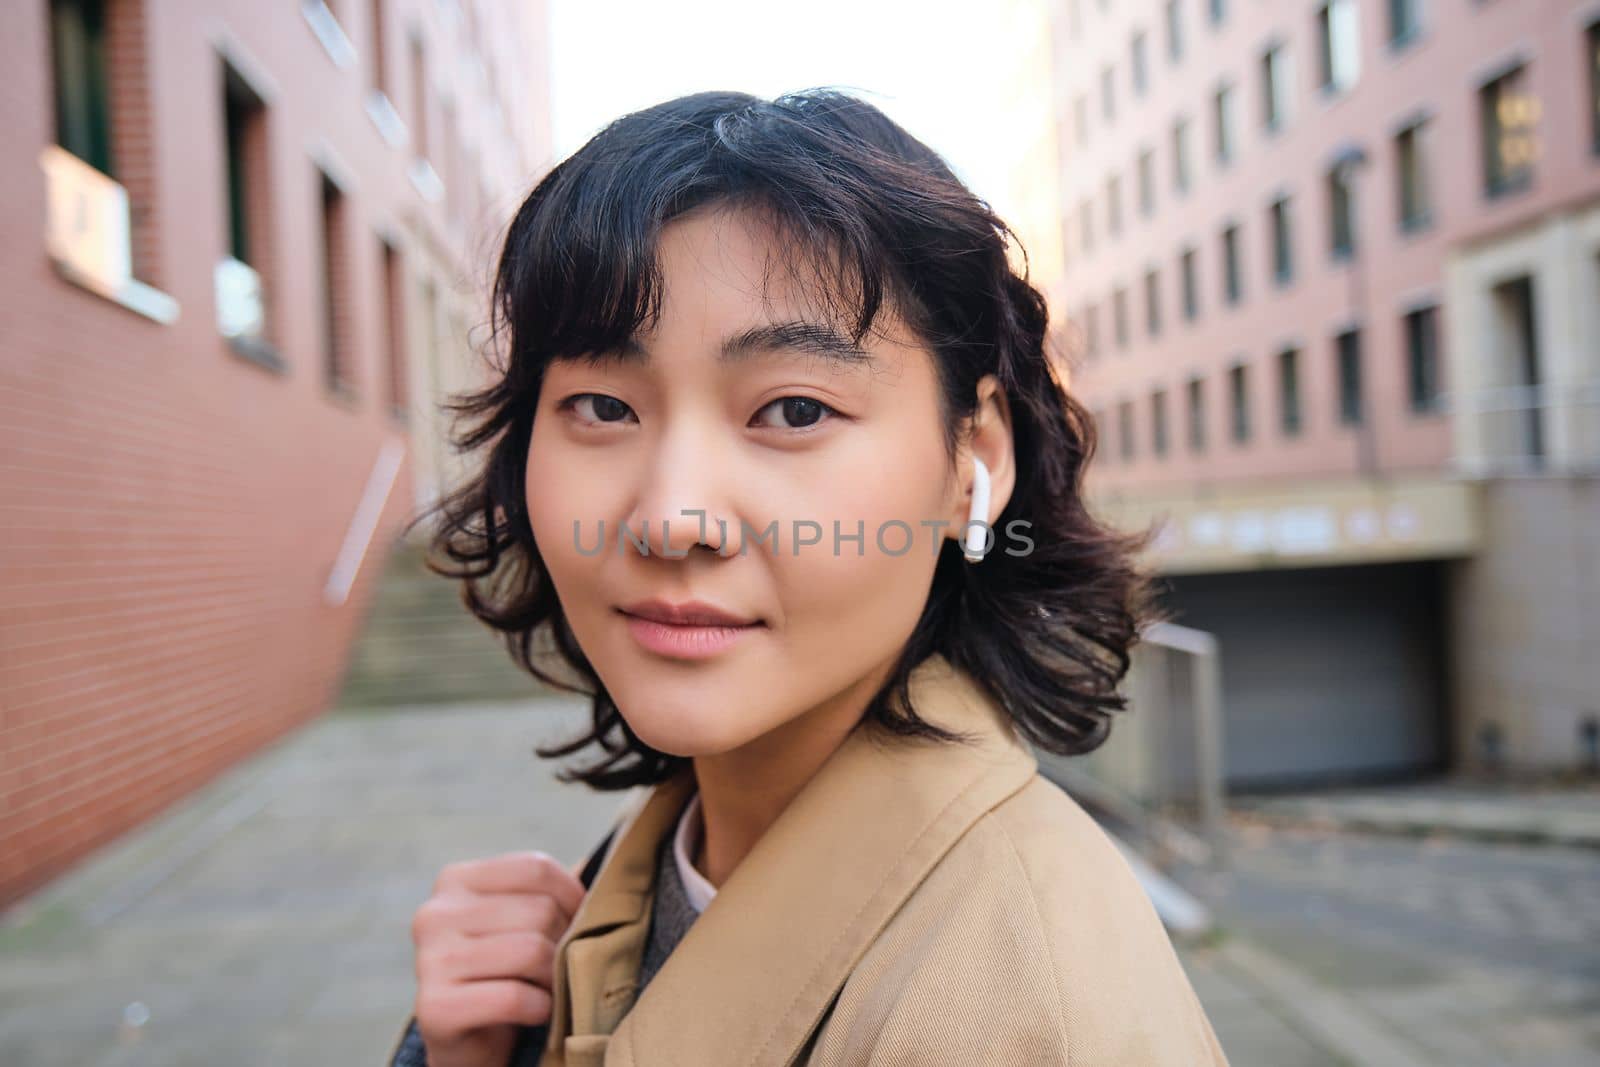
515, 872
514, 954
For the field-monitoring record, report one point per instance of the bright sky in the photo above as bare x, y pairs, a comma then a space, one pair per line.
929, 65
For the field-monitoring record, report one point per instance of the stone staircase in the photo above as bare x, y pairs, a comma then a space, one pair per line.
420, 645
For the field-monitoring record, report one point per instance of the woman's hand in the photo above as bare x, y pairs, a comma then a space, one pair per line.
485, 947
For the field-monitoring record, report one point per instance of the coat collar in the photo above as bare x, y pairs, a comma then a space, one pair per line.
759, 967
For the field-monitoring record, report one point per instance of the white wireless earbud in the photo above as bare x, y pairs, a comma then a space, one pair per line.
977, 535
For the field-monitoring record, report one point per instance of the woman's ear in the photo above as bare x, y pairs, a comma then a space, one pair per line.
990, 440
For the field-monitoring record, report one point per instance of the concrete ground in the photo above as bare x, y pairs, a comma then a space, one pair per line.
265, 920
1565, 814
1419, 950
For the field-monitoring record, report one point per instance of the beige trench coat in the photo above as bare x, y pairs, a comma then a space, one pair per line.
914, 904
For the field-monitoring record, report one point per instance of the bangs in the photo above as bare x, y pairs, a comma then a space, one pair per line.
581, 274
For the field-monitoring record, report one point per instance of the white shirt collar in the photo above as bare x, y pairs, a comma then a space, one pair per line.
687, 838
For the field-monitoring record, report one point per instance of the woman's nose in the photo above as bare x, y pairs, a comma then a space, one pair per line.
681, 505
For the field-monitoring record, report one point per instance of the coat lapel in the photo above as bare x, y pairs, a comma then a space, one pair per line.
756, 972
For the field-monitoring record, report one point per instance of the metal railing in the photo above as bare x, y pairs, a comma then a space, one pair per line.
1160, 774
1519, 429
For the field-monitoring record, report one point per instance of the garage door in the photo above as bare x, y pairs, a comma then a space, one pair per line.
1328, 674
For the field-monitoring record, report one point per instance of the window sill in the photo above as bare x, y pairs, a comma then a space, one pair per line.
1404, 42
381, 110
345, 395
426, 180
256, 350
1416, 226
325, 27
136, 296
1333, 92
1507, 190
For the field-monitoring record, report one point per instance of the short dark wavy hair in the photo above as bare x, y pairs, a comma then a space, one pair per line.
1048, 633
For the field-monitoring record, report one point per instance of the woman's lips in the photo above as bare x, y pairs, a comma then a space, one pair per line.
680, 641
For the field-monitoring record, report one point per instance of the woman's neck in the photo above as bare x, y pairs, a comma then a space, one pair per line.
743, 792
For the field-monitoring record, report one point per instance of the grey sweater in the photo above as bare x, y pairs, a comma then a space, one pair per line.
670, 917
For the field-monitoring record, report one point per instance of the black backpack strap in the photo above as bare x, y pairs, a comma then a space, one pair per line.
529, 1049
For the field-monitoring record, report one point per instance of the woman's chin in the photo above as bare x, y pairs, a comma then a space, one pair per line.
687, 732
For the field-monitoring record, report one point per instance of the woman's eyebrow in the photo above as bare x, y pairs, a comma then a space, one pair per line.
796, 336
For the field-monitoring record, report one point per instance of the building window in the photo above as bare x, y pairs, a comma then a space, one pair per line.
1222, 123
1119, 317
1125, 427
1102, 429
1197, 415
1108, 99
1232, 280
1422, 359
1174, 30
1594, 83
1152, 302
101, 220
1239, 402
1509, 117
82, 96
1138, 63
1348, 349
1282, 242
1158, 421
379, 24
1188, 272
1276, 87
1411, 171
337, 323
1341, 214
1181, 168
1091, 330
1080, 119
244, 292
1113, 205
394, 326
1086, 225
1338, 45
1147, 183
454, 187
1218, 10
1405, 22
1289, 390
419, 98
244, 119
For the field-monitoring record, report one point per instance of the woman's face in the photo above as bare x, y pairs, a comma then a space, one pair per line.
750, 435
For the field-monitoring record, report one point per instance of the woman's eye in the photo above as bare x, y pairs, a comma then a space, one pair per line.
597, 407
797, 412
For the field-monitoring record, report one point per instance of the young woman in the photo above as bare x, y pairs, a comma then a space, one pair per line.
778, 471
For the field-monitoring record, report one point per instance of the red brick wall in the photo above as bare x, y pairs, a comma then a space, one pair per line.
132, 132
170, 510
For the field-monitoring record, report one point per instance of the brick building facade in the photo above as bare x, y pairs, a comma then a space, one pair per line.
1332, 269
244, 246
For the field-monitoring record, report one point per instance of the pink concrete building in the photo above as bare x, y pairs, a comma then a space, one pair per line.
1333, 270
243, 245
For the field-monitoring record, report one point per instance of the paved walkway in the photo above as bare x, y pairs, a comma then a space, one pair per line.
1442, 950
1562, 815
266, 920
